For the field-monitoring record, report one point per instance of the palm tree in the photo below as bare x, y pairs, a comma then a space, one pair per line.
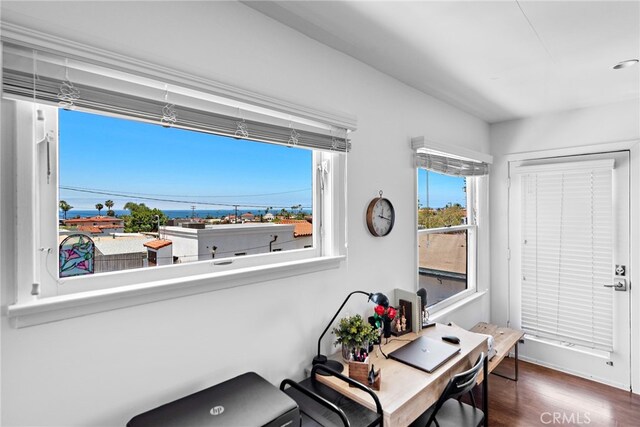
109, 205
99, 206
65, 207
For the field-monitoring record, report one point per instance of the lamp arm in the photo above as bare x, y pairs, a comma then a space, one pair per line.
336, 315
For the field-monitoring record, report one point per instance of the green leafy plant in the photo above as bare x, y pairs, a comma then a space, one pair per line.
354, 332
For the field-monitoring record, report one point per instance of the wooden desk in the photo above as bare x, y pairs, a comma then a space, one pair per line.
407, 392
504, 340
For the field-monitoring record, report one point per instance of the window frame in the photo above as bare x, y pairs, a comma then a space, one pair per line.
73, 296
477, 221
472, 247
106, 280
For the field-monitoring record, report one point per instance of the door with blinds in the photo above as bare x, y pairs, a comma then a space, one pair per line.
569, 240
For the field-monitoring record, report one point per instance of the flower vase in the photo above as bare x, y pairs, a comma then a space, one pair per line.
347, 350
386, 327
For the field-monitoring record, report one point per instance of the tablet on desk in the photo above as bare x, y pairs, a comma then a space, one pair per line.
425, 353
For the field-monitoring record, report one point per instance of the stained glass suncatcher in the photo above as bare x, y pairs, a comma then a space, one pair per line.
77, 253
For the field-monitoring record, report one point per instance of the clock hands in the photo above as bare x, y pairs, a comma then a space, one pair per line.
383, 217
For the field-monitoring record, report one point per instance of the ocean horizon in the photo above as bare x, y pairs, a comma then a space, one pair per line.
173, 213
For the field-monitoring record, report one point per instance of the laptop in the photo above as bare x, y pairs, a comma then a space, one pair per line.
425, 353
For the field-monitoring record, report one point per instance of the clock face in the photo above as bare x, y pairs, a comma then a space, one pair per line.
380, 217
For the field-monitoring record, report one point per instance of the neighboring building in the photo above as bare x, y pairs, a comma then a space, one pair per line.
89, 229
303, 228
268, 217
228, 240
159, 252
177, 222
442, 265
247, 217
96, 225
124, 252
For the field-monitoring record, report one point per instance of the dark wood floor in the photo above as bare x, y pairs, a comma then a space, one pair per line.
542, 394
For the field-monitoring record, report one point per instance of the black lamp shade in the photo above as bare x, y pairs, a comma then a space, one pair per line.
380, 299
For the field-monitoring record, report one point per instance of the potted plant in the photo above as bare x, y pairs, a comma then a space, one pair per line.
354, 333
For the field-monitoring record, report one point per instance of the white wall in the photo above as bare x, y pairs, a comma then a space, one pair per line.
192, 244
591, 129
104, 368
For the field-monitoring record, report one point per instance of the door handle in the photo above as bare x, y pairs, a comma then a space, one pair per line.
618, 285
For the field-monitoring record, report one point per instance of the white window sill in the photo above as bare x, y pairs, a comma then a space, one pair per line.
602, 354
446, 311
56, 308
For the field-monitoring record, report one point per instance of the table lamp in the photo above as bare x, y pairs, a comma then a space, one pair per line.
377, 298
422, 293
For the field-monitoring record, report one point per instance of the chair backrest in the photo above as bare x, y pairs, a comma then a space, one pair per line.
458, 385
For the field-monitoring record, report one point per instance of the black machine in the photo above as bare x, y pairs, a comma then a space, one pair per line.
246, 400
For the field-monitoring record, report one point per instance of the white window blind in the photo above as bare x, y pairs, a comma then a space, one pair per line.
52, 78
450, 165
567, 252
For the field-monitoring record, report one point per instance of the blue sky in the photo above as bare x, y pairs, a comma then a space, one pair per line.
443, 189
118, 156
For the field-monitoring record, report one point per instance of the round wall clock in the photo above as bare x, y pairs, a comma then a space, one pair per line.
380, 216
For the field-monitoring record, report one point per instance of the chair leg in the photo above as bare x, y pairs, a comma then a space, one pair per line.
485, 391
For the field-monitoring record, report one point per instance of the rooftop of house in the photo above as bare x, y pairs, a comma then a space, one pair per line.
97, 218
113, 245
302, 227
110, 226
89, 229
158, 243
444, 252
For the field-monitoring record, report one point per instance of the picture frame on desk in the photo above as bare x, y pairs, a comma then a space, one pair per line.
404, 319
416, 316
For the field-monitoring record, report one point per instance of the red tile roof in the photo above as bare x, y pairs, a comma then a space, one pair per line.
302, 227
89, 229
157, 244
110, 226
94, 219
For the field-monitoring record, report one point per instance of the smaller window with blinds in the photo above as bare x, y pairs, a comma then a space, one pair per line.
447, 197
443, 235
566, 252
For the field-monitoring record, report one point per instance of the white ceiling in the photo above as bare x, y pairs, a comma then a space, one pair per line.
498, 60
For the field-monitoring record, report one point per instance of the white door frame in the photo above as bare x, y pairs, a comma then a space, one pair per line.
634, 200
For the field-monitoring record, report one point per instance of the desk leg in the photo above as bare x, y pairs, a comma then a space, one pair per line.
516, 367
485, 391
516, 378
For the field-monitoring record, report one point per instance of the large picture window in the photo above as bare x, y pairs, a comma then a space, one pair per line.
133, 186
150, 196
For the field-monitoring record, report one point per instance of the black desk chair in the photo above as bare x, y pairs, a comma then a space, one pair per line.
448, 411
323, 406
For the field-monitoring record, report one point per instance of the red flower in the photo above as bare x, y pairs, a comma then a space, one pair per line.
391, 313
379, 310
